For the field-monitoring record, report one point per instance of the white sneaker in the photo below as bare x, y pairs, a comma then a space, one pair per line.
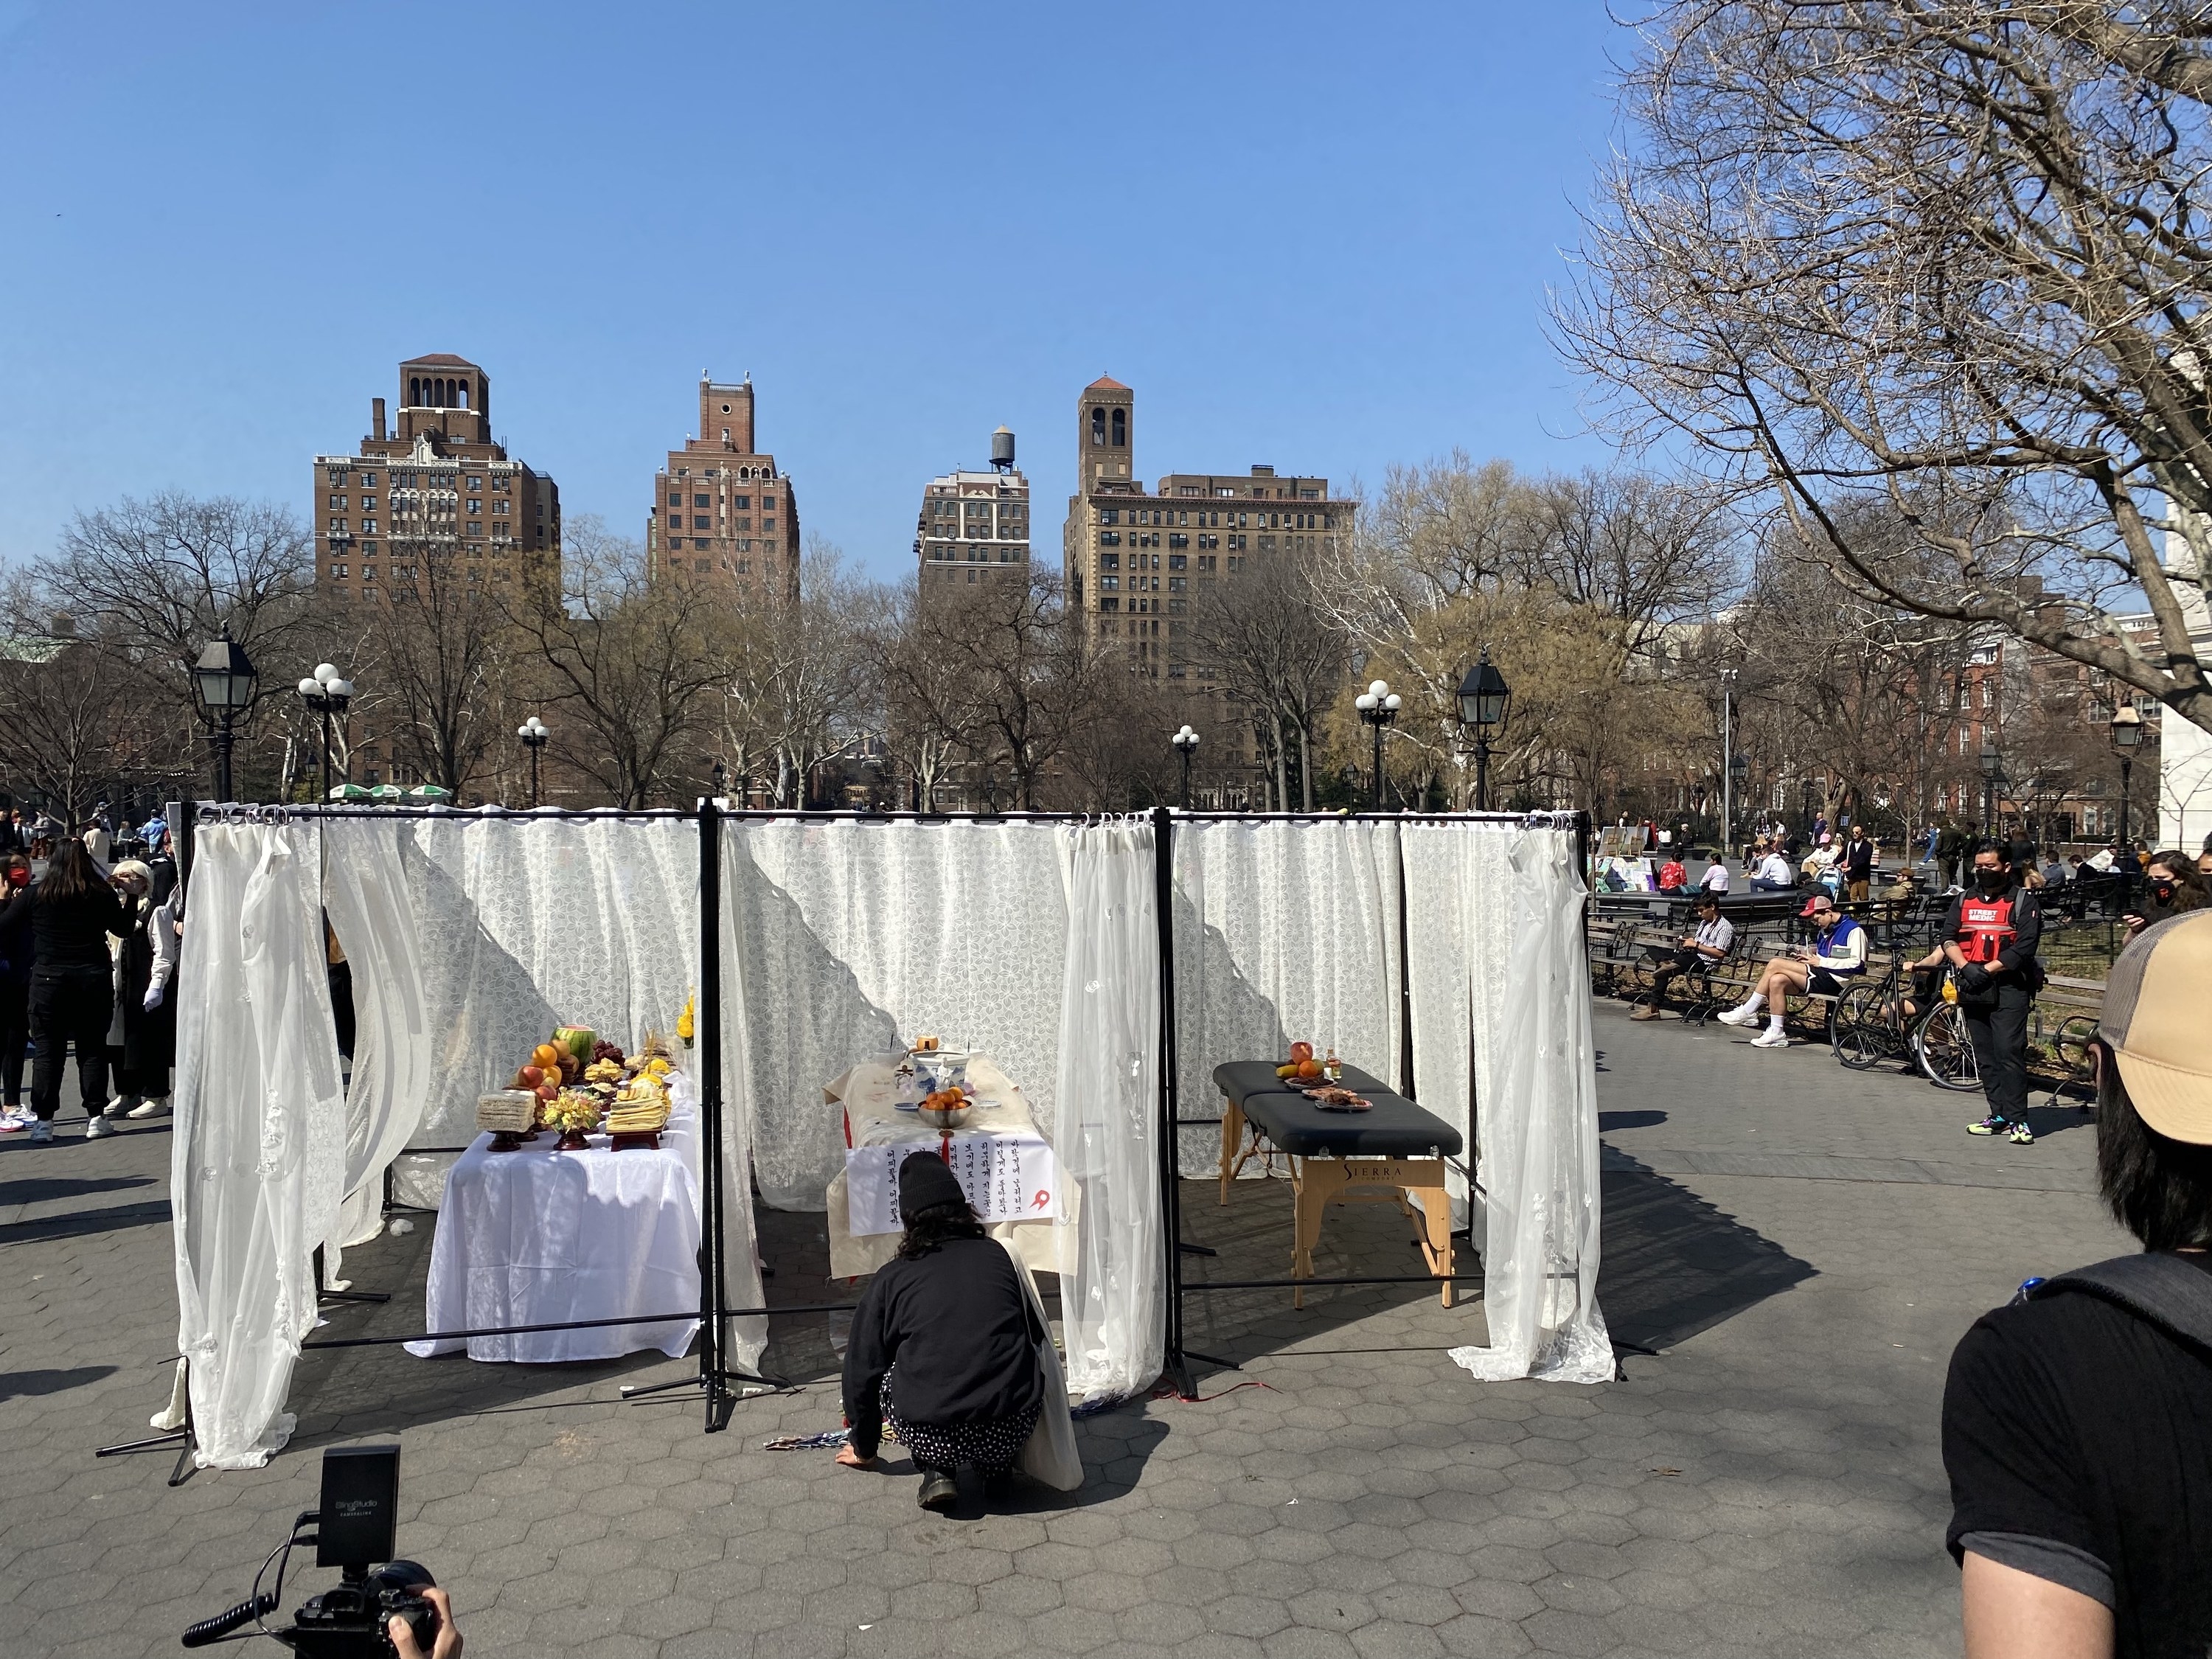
116, 1107
146, 1108
1737, 1016
100, 1126
41, 1131
1771, 1040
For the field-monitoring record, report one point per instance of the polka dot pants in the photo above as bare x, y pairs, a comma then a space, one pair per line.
991, 1446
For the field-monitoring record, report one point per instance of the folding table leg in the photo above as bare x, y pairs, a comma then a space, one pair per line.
1232, 1138
1313, 1182
1436, 1213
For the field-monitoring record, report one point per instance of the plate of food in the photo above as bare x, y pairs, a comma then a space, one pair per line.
1330, 1098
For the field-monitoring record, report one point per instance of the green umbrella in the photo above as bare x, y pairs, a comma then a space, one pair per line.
431, 791
387, 792
347, 792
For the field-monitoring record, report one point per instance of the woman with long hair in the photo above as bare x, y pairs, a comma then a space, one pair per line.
74, 913
943, 1345
141, 1031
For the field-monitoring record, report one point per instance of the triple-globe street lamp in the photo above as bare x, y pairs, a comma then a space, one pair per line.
535, 735
327, 692
1186, 745
1378, 707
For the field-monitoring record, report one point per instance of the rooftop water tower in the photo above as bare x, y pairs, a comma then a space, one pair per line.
1002, 450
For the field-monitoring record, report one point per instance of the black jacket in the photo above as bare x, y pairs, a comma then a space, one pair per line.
16, 950
957, 1324
72, 932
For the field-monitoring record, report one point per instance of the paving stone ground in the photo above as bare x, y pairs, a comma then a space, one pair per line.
1797, 1248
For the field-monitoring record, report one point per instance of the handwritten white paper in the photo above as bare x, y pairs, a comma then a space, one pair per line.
1006, 1177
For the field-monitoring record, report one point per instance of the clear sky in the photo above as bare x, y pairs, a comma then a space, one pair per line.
1316, 236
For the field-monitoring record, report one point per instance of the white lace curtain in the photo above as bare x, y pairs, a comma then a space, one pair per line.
258, 1158
1499, 989
1284, 931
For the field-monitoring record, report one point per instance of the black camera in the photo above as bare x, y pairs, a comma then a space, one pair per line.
356, 1529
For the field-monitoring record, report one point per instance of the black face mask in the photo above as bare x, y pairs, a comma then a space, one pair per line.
1993, 881
2162, 891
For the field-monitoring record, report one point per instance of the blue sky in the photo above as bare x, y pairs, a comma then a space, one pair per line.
1314, 236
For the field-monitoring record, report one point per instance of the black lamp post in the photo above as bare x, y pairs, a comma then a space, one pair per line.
327, 692
1739, 770
535, 735
1483, 697
1186, 744
1992, 771
1378, 707
2127, 732
721, 779
222, 682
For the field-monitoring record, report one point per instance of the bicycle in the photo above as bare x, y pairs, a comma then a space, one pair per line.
1869, 1026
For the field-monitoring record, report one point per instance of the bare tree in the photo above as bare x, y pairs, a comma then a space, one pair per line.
801, 687
441, 637
1275, 649
1947, 256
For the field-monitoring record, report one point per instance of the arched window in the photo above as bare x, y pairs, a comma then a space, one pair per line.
1120, 429
1098, 426
414, 393
464, 394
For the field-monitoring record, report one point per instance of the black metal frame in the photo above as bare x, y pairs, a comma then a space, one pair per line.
716, 1379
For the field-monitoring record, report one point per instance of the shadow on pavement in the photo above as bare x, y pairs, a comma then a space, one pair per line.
15, 1385
1675, 1266
35, 1190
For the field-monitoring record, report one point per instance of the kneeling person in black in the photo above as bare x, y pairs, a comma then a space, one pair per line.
944, 1344
2077, 1422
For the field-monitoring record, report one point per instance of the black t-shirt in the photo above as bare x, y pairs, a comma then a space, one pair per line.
2078, 1438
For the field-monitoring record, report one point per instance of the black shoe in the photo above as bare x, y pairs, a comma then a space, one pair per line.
938, 1493
998, 1487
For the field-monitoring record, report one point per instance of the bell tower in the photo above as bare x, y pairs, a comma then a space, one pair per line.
1105, 422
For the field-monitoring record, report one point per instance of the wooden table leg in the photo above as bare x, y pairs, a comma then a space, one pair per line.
1313, 1182
1436, 1209
1232, 1138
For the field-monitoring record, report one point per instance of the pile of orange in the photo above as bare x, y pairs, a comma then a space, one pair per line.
1303, 1063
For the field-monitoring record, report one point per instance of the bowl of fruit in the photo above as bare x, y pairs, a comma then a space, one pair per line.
946, 1109
1302, 1071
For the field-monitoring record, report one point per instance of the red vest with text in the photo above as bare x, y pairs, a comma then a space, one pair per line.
1984, 927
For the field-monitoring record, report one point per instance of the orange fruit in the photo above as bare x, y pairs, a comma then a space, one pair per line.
1309, 1066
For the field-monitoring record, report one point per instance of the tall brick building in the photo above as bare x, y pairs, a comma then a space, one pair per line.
439, 485
1136, 560
721, 511
973, 528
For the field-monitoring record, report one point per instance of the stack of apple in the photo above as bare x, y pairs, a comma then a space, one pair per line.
1303, 1064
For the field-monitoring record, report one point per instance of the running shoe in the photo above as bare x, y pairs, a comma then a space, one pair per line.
42, 1131
98, 1129
14, 1124
1991, 1125
1770, 1040
1737, 1016
2020, 1135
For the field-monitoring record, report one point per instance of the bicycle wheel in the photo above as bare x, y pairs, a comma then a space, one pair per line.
2069, 1050
1944, 1050
1860, 1034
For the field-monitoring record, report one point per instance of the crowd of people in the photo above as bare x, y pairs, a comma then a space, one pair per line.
91, 930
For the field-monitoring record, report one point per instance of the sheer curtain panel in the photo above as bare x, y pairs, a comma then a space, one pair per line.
259, 1157
1113, 1313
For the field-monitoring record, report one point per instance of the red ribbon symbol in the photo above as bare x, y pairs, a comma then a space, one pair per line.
1042, 1198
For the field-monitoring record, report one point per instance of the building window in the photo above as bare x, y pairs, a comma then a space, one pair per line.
1110, 539
768, 524
1110, 605
1109, 584
1098, 427
1177, 584
1120, 429
1174, 540
1110, 561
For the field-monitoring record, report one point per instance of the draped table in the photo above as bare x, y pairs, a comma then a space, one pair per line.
536, 1236
868, 1094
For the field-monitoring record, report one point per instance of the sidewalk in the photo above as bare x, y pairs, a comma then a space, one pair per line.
1801, 1246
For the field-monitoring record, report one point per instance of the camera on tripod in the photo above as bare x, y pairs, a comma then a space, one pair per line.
356, 1528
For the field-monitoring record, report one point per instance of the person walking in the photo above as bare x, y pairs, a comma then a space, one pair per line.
1990, 938
74, 913
16, 948
1859, 865
2073, 1418
142, 1033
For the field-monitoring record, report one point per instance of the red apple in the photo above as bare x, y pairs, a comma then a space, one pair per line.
548, 1092
533, 1076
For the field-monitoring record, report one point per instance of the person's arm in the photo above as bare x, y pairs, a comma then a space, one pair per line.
2011, 1614
1846, 955
869, 1353
2027, 935
1723, 936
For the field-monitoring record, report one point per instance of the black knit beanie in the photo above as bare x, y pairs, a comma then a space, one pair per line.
923, 1181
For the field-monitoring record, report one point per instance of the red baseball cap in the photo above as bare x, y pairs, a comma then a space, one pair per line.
1817, 903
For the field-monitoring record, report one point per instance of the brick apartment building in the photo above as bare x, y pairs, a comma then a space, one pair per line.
973, 528
439, 486
1136, 560
721, 511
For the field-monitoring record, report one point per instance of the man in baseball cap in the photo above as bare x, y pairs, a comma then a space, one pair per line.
2077, 1421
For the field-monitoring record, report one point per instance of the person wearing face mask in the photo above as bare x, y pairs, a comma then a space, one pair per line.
2170, 887
141, 1034
1990, 940
17, 951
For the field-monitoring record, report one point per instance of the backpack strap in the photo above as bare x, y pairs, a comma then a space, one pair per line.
2157, 1287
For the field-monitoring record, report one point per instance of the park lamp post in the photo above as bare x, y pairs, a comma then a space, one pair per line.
1378, 707
1992, 771
1186, 745
1483, 698
2127, 733
223, 684
327, 692
535, 735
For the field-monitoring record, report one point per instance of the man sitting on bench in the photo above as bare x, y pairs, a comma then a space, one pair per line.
1825, 968
1706, 946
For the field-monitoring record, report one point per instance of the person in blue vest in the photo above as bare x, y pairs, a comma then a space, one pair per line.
1824, 968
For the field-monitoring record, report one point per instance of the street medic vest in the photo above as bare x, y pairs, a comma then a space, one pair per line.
1984, 927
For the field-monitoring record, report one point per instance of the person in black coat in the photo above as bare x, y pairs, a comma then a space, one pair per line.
17, 951
943, 1345
73, 913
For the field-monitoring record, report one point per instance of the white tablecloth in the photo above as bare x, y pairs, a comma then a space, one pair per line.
868, 1093
537, 1237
